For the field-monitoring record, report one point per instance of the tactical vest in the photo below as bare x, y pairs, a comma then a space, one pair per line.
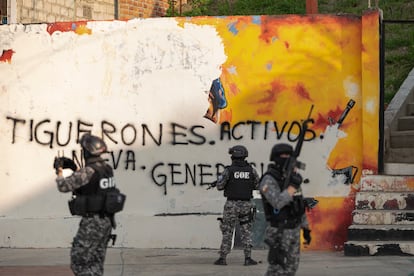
241, 181
289, 216
99, 196
101, 180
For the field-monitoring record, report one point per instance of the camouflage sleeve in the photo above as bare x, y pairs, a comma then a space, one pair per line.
269, 188
75, 180
304, 223
222, 179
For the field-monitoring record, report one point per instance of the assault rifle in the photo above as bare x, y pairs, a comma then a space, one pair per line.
310, 202
212, 185
292, 162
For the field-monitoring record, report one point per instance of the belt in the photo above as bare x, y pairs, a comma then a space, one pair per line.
238, 199
287, 224
91, 215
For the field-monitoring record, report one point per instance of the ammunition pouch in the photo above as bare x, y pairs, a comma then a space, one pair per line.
109, 202
277, 256
81, 205
114, 201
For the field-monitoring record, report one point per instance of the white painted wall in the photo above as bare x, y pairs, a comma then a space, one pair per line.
148, 71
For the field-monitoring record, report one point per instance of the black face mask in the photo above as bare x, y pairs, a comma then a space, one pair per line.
280, 161
86, 155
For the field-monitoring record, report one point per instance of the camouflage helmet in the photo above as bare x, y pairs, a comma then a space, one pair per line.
238, 152
94, 145
280, 149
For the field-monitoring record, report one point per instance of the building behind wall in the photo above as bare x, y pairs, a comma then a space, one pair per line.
3, 12
49, 11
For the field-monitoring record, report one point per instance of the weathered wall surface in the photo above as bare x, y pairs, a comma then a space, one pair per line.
170, 96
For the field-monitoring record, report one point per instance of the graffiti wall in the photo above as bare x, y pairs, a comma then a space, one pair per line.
169, 96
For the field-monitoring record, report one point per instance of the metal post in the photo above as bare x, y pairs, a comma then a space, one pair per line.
381, 99
116, 10
311, 6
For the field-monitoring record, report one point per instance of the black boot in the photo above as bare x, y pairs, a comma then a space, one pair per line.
220, 261
249, 261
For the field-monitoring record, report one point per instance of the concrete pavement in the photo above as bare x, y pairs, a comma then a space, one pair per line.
181, 262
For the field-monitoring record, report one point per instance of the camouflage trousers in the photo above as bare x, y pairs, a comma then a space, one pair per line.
288, 242
89, 246
236, 211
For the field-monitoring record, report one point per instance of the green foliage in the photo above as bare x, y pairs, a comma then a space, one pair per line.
256, 7
250, 7
198, 7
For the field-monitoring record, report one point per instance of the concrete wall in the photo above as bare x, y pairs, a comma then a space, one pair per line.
144, 85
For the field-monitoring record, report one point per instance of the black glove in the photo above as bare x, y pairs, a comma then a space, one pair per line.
295, 180
64, 163
307, 236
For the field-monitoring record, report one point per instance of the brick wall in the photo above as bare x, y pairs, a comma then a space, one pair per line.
142, 8
3, 11
47, 11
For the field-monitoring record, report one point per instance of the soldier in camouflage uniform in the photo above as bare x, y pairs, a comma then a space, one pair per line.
90, 243
238, 181
285, 210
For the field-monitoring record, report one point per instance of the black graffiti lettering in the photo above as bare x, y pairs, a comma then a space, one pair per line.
265, 130
105, 125
191, 173
78, 160
290, 130
174, 172
134, 136
130, 159
202, 138
233, 130
82, 130
175, 134
203, 174
225, 128
145, 129
219, 169
159, 179
292, 126
115, 162
57, 134
179, 174
31, 130
312, 136
15, 121
45, 133
279, 133
253, 128
49, 134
